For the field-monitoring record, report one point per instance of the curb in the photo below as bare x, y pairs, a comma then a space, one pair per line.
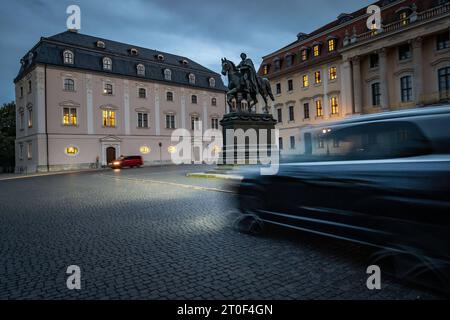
214, 176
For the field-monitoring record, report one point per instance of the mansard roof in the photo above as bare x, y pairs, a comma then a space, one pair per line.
88, 55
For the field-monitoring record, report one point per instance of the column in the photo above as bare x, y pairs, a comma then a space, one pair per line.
326, 102
39, 108
384, 79
346, 88
418, 69
157, 113
357, 90
205, 111
89, 105
183, 108
126, 106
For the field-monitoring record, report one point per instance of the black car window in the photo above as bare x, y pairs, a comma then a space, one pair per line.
378, 140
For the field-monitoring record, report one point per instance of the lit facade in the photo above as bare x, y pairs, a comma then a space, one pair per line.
82, 100
344, 69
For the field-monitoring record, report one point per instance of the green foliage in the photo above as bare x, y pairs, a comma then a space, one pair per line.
7, 134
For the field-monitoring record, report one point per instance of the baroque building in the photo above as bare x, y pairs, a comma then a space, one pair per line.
344, 68
84, 101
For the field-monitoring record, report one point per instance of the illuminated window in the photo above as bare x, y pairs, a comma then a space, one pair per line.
404, 18
109, 118
305, 81
69, 85
68, 57
108, 89
107, 64
319, 108
30, 151
304, 54
71, 151
30, 117
316, 50
215, 123
170, 121
317, 77
333, 73
334, 105
70, 117
331, 45
265, 69
169, 96
142, 120
172, 149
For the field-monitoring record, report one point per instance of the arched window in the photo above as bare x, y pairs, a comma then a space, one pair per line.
69, 85
192, 78
107, 63
167, 74
68, 57
212, 82
169, 96
214, 102
194, 99
140, 69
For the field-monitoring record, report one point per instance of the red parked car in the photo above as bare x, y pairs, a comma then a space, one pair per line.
131, 162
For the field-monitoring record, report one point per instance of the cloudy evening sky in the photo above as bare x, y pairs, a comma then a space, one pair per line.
203, 30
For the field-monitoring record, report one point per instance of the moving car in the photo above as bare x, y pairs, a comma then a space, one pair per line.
130, 161
381, 180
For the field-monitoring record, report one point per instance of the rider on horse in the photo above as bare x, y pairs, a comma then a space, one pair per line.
247, 68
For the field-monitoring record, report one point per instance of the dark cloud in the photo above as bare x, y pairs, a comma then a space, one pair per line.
204, 30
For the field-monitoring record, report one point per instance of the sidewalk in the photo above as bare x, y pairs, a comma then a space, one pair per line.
15, 176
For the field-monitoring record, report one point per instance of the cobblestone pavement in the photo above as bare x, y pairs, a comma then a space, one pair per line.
152, 233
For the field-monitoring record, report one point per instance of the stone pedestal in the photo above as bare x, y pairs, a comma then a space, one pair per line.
247, 137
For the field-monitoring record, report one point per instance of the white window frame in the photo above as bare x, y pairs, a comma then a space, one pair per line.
107, 63
68, 57
167, 74
140, 69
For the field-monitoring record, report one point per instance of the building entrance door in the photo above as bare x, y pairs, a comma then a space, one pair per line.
110, 155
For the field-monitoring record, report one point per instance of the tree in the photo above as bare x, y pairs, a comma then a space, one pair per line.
7, 135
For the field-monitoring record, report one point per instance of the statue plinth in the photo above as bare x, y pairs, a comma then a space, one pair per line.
247, 137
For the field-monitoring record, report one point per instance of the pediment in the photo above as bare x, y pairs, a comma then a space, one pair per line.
110, 138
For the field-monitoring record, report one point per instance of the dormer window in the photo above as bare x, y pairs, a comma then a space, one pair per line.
317, 49
140, 69
191, 78
277, 64
304, 54
160, 57
212, 82
68, 57
100, 44
184, 62
332, 45
403, 15
107, 64
289, 59
168, 74
30, 57
134, 52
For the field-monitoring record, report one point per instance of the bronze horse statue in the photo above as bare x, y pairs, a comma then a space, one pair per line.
237, 86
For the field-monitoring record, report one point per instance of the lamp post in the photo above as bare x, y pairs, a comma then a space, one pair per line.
160, 154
